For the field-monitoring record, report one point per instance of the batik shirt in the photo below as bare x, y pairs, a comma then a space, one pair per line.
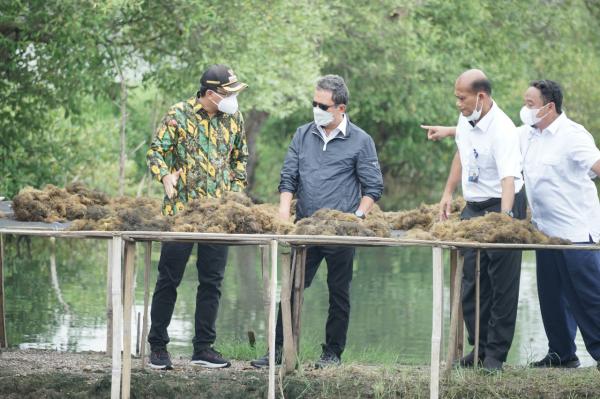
210, 151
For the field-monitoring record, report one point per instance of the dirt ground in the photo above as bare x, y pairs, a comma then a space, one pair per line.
50, 374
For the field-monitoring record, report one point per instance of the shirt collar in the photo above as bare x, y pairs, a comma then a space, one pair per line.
484, 123
342, 127
553, 127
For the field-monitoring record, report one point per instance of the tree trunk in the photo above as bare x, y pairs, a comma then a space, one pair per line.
123, 157
253, 122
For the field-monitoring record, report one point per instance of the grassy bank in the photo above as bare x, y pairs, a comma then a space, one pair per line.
44, 374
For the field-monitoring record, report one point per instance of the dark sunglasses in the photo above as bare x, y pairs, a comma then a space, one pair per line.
324, 107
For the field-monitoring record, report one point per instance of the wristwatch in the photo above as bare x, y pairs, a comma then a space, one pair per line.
509, 213
360, 214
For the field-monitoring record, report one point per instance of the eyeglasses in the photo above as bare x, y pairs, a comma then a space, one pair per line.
324, 107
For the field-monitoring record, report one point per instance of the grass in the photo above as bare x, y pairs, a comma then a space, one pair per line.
348, 381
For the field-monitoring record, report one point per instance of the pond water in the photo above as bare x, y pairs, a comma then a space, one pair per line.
62, 305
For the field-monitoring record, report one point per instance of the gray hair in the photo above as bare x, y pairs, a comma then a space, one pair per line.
336, 85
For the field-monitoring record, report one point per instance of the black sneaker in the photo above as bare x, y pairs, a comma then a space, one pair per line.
468, 361
160, 360
328, 359
209, 358
492, 365
553, 360
264, 361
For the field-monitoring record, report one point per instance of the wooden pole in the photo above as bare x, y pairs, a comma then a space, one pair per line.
147, 266
477, 307
272, 319
299, 277
460, 333
117, 316
3, 337
109, 302
289, 352
437, 318
127, 309
455, 283
264, 261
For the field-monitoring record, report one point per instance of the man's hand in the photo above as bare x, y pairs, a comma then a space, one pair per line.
436, 133
284, 213
170, 182
445, 206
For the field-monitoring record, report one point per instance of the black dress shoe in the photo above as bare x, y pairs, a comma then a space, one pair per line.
553, 360
468, 360
492, 365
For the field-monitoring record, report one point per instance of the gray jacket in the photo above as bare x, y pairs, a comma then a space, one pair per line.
333, 176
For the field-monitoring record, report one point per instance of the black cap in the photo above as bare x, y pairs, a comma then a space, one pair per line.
221, 78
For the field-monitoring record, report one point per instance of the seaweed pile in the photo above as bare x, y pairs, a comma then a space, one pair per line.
423, 217
232, 213
53, 204
125, 214
494, 227
236, 213
336, 223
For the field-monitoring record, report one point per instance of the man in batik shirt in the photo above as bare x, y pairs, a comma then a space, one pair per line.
199, 151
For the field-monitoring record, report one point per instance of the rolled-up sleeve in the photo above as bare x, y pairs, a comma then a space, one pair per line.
289, 171
369, 172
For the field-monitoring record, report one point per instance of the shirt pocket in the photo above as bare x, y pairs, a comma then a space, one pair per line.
552, 166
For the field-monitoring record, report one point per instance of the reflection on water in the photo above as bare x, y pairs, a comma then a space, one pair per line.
391, 301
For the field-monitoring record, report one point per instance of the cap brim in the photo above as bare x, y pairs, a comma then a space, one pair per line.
235, 87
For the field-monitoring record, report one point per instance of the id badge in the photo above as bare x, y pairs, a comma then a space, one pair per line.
473, 171
473, 174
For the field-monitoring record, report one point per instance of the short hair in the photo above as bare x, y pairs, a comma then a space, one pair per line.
202, 91
336, 85
483, 85
551, 92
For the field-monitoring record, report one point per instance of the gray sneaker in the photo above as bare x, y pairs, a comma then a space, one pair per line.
264, 361
160, 360
328, 359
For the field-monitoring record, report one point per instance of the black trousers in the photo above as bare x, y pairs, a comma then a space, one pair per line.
211, 269
500, 273
339, 276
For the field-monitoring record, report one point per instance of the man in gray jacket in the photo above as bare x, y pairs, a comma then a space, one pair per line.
330, 163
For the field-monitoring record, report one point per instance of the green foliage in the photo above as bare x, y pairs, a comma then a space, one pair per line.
63, 61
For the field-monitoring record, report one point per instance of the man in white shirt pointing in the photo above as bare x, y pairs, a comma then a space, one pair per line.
488, 166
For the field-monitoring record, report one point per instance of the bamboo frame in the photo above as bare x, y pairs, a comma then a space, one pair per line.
3, 337
117, 243
122, 367
455, 319
127, 309
437, 321
272, 318
109, 308
298, 292
477, 307
147, 266
289, 352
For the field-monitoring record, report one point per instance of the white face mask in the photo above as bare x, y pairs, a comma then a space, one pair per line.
228, 105
322, 118
476, 114
529, 115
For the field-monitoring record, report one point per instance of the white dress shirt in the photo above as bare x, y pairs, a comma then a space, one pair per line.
341, 128
556, 164
496, 142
